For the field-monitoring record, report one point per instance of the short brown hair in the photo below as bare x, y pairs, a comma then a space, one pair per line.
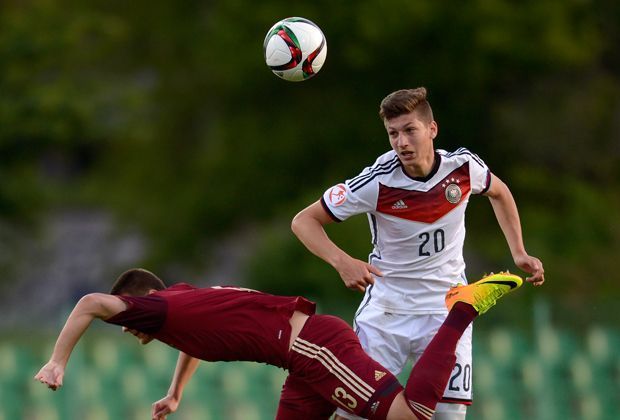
136, 282
405, 101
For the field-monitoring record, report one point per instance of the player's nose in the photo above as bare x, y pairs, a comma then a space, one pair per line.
402, 140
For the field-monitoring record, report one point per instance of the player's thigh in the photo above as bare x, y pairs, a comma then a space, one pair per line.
327, 354
298, 401
459, 387
400, 410
385, 337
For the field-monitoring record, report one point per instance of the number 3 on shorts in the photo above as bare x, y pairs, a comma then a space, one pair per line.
341, 397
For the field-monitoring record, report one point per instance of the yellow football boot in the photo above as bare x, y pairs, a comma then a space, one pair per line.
484, 293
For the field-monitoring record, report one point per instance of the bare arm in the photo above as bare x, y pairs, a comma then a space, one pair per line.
308, 227
94, 305
186, 366
507, 215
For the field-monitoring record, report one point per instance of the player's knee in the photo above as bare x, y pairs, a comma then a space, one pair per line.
445, 411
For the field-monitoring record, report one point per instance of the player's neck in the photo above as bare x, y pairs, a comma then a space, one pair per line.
422, 168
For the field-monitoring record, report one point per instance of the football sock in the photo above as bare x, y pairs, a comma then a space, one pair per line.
430, 375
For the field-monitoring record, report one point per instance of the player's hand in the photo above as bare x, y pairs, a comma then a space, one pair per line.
357, 274
51, 374
163, 407
533, 266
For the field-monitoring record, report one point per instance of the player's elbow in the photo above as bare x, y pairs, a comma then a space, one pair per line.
92, 304
297, 223
88, 300
306, 221
310, 220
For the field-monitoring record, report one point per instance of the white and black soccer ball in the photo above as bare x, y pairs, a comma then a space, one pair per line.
295, 49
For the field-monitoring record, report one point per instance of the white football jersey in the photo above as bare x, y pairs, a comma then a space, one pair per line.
417, 226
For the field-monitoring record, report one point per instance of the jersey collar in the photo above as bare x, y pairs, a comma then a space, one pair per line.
431, 174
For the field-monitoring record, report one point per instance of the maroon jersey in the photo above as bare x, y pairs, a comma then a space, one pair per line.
217, 323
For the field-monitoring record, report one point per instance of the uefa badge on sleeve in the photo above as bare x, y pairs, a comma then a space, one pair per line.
338, 195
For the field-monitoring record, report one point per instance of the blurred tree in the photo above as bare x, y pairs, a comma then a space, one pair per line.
164, 114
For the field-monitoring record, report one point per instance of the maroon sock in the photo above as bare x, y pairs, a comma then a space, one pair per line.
430, 375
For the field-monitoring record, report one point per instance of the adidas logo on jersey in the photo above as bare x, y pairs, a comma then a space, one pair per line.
379, 375
399, 205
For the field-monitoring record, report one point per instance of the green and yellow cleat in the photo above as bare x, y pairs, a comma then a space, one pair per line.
484, 293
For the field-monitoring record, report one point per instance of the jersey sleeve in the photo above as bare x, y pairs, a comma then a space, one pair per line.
479, 173
146, 314
354, 196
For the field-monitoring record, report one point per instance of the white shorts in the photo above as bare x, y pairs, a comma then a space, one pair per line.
394, 339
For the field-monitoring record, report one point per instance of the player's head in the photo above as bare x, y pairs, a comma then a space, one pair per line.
406, 101
136, 282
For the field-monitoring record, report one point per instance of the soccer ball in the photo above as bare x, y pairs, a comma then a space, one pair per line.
295, 49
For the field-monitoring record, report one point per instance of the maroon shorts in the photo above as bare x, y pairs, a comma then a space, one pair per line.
328, 369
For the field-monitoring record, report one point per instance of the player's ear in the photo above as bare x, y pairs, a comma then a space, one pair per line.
150, 291
434, 129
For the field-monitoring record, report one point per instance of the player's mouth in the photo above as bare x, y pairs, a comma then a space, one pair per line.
407, 154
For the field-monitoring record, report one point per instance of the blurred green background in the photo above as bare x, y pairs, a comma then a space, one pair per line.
152, 134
